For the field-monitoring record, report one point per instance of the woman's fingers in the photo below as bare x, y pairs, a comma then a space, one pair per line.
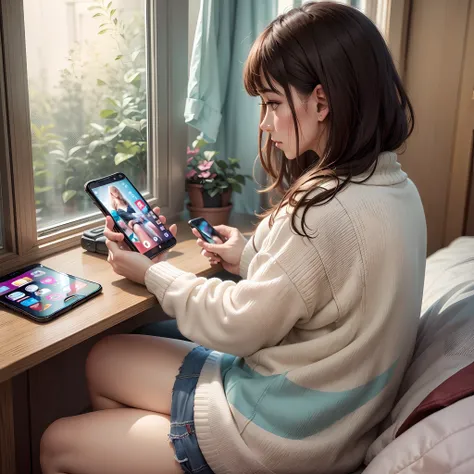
174, 229
210, 256
110, 233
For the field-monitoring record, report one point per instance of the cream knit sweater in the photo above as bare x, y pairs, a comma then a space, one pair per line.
320, 331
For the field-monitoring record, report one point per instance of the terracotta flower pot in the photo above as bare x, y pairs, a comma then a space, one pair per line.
213, 215
215, 210
199, 198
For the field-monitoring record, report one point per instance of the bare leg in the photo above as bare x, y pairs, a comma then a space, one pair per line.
109, 441
132, 370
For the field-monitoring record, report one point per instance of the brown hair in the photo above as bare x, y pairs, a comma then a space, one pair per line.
369, 112
113, 199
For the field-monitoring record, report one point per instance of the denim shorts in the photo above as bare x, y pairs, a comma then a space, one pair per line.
182, 432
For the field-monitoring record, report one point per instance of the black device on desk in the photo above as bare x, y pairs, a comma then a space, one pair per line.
93, 240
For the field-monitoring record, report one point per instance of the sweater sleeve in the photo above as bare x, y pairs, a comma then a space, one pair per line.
241, 318
247, 254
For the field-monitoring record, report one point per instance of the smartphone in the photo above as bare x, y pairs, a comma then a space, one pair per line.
117, 197
205, 230
42, 294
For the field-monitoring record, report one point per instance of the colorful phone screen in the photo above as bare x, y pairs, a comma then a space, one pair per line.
132, 214
206, 230
41, 291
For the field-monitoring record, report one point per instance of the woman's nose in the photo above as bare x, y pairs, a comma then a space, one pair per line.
265, 126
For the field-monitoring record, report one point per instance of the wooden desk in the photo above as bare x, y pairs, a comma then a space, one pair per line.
24, 344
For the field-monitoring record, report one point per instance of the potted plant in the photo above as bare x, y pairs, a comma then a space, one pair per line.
210, 182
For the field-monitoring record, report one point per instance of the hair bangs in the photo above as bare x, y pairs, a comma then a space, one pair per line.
261, 67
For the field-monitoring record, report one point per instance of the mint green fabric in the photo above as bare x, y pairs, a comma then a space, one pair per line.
217, 104
274, 395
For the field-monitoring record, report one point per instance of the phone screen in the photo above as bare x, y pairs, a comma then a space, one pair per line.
41, 291
206, 230
132, 214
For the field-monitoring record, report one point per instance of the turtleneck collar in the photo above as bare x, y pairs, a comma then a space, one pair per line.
387, 172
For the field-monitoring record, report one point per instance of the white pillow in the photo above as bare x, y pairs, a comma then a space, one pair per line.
440, 444
445, 340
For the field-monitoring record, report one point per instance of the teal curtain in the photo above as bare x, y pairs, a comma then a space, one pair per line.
217, 104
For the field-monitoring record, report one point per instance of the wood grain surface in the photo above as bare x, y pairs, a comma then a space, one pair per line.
24, 343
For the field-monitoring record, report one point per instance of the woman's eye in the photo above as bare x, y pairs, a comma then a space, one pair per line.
273, 105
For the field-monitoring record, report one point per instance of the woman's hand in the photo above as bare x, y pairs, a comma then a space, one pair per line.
227, 253
131, 265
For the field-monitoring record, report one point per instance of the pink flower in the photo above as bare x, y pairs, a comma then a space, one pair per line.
190, 159
191, 174
205, 174
205, 165
213, 175
192, 152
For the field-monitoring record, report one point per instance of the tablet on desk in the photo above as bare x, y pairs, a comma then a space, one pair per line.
42, 294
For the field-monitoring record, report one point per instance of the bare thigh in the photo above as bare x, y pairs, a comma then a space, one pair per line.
109, 441
135, 371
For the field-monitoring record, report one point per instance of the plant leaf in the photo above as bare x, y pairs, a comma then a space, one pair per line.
236, 187
135, 54
69, 180
45, 189
68, 195
112, 101
97, 127
209, 155
117, 58
240, 179
131, 76
94, 144
41, 173
59, 153
102, 32
75, 149
112, 12
100, 82
109, 5
126, 101
199, 142
121, 157
98, 14
107, 113
132, 124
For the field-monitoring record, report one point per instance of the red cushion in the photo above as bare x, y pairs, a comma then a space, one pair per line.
458, 386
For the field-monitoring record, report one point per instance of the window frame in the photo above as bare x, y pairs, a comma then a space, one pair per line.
167, 53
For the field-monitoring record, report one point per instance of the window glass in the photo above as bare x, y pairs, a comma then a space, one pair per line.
87, 90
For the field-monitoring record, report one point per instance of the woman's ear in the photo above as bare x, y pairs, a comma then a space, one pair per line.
319, 98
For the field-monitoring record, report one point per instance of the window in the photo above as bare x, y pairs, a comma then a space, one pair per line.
87, 88
87, 100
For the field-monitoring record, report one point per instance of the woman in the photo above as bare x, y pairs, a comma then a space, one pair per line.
306, 353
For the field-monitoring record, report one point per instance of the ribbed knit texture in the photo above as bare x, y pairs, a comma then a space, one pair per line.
321, 330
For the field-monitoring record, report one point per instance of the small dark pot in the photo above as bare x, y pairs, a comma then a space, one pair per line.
200, 198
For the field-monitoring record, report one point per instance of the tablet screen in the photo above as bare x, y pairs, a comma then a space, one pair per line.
42, 291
